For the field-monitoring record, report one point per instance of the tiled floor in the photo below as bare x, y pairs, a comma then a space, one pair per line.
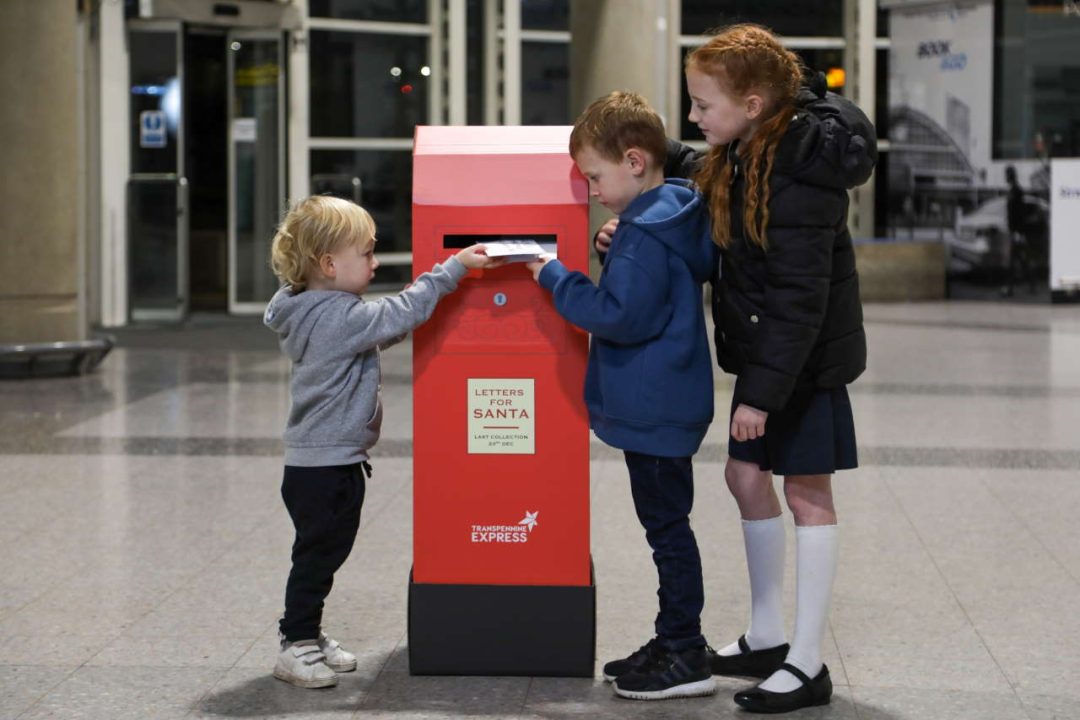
145, 545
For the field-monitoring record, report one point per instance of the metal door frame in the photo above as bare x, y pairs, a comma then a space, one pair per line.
249, 307
179, 178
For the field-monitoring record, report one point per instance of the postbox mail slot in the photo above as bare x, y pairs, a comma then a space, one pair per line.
465, 240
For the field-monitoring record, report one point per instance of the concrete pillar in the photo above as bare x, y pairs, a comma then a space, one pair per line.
41, 257
625, 45
860, 61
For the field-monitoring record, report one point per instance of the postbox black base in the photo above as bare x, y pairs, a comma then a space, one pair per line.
502, 629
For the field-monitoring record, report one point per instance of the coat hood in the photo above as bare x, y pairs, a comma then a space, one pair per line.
675, 215
830, 142
292, 316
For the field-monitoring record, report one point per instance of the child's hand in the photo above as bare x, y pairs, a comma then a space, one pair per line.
603, 235
748, 423
537, 265
474, 257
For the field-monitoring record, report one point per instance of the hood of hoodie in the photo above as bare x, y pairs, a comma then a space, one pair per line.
830, 142
292, 316
675, 215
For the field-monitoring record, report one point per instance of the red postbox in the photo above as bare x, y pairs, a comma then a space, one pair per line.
502, 578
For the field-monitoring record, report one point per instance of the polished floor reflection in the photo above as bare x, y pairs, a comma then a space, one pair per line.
145, 545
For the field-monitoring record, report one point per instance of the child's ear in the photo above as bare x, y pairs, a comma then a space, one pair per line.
637, 160
754, 106
326, 265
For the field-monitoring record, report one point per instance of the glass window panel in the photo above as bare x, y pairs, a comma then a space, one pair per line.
155, 86
782, 16
206, 165
881, 195
824, 61
545, 84
881, 124
883, 23
415, 11
474, 62
881, 104
1037, 81
381, 182
384, 178
153, 245
815, 60
256, 75
545, 14
367, 85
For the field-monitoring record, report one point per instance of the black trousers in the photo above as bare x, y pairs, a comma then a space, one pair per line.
324, 504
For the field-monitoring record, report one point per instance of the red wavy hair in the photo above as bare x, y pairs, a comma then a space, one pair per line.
747, 59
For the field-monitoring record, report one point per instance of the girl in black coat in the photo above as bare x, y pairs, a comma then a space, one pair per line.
788, 325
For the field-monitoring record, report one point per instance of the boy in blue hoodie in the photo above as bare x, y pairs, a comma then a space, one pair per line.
324, 252
648, 385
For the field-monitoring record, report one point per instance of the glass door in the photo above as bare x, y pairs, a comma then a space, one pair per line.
256, 164
157, 189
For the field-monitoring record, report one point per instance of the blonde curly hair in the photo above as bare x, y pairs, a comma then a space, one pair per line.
313, 227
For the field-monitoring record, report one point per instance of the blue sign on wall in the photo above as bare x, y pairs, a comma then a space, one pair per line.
152, 130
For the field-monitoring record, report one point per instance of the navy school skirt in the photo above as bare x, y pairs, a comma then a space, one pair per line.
814, 434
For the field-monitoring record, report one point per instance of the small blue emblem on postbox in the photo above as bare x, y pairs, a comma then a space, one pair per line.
500, 299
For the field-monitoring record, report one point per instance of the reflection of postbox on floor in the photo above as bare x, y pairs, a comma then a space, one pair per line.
502, 578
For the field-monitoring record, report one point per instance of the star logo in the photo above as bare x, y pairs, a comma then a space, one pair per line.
530, 520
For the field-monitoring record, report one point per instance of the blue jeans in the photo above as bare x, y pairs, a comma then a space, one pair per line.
663, 490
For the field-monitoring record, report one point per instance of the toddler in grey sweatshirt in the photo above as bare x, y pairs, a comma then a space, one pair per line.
324, 252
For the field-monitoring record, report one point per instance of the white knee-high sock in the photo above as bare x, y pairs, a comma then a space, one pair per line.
764, 540
816, 548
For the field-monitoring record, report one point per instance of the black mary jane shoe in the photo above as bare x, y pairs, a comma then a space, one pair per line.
813, 692
749, 663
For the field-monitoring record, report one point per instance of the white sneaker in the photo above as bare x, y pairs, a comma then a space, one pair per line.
304, 665
338, 659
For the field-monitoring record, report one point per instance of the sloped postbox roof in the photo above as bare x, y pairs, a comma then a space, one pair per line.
484, 166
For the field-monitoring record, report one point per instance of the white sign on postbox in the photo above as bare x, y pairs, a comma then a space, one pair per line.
501, 416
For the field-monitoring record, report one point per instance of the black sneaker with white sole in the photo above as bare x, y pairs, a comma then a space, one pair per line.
675, 674
646, 653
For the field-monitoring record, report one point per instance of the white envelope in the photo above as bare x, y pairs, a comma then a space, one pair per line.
519, 250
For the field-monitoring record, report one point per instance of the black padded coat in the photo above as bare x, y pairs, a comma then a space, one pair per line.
789, 317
